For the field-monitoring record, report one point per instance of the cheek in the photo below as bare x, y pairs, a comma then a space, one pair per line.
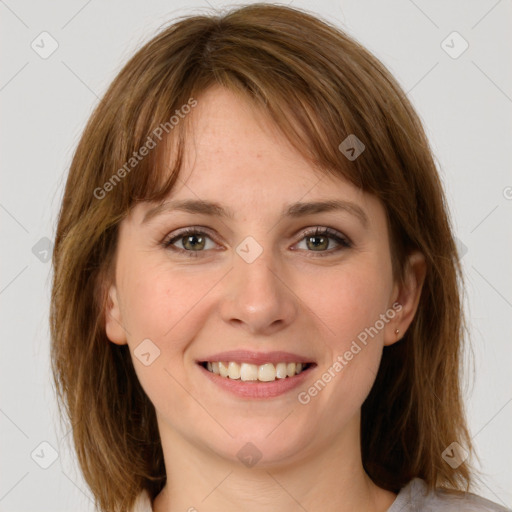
349, 299
164, 306
163, 303
350, 303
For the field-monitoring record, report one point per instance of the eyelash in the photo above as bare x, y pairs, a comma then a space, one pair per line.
318, 231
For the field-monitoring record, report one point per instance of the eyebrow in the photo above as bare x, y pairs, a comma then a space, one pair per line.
294, 210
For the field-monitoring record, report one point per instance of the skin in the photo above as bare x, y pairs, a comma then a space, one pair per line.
290, 298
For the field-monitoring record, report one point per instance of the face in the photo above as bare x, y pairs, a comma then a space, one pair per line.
258, 285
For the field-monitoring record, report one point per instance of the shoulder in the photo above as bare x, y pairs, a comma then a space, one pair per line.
414, 497
143, 503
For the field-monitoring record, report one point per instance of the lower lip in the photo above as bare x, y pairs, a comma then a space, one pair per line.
256, 389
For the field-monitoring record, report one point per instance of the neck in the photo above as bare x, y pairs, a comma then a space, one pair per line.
328, 478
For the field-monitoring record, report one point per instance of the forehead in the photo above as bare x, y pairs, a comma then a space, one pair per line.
230, 140
235, 155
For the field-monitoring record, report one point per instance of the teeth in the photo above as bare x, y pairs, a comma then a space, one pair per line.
267, 372
248, 372
281, 370
223, 369
251, 372
233, 370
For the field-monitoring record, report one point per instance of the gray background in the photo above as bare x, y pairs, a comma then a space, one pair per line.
465, 104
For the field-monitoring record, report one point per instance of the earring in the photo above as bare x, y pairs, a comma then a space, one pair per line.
397, 331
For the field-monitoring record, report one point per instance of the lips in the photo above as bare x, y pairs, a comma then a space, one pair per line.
257, 358
258, 373
256, 389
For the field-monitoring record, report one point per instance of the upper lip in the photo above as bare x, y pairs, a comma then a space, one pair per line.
258, 358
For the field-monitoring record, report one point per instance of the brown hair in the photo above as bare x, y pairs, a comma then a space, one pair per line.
318, 85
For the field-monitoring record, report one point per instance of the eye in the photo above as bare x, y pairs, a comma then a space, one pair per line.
191, 239
319, 240
194, 241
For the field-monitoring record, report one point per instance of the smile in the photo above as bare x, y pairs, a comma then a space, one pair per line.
267, 372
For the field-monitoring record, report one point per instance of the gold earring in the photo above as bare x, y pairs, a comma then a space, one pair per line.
397, 331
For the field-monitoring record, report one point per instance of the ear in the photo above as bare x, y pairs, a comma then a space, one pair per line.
113, 318
406, 297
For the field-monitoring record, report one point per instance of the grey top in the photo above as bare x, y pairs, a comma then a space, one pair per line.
415, 498
412, 498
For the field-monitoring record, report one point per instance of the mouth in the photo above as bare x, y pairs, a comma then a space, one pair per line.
251, 375
249, 372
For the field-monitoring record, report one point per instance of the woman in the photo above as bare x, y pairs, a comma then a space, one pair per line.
256, 293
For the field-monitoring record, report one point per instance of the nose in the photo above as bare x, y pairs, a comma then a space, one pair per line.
257, 296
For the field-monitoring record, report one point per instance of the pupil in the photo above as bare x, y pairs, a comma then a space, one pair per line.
321, 244
190, 239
